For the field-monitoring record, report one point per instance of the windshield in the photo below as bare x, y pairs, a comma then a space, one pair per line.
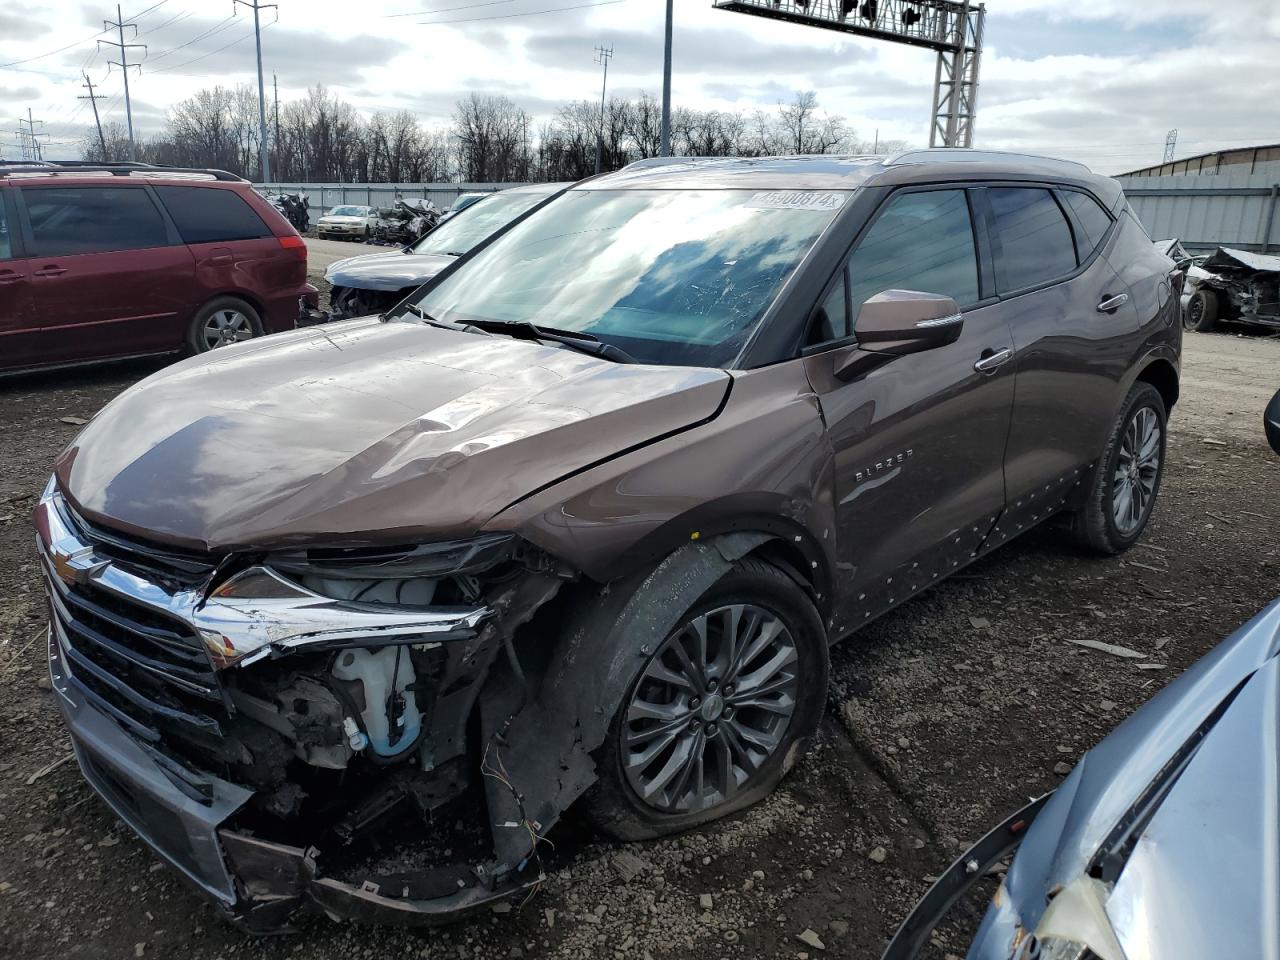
483, 218
349, 212
669, 276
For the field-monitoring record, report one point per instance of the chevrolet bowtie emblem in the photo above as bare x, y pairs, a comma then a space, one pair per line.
75, 568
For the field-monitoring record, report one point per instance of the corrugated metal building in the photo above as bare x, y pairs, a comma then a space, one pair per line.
1223, 199
1245, 160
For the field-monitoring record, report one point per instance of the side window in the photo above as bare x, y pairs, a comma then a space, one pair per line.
71, 220
1035, 239
211, 215
6, 243
920, 241
1091, 218
831, 322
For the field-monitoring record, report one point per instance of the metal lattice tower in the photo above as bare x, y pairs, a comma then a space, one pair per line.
953, 28
1170, 145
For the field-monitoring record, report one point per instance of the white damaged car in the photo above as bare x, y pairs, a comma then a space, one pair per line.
348, 222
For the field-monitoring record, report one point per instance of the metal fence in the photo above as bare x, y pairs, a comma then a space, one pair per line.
1207, 211
325, 196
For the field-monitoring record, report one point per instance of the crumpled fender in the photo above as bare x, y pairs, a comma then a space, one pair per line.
547, 754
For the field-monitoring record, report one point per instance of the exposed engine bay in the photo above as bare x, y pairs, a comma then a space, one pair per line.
355, 695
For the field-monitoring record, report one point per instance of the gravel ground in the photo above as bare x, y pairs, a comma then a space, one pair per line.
942, 718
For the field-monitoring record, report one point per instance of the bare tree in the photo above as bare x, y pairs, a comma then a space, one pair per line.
320, 137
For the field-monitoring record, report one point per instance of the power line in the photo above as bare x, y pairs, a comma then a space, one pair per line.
216, 28
139, 16
204, 56
531, 13
29, 138
258, 6
41, 56
93, 98
469, 6
120, 23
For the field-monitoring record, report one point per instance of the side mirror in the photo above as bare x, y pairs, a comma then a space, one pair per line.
1271, 420
898, 322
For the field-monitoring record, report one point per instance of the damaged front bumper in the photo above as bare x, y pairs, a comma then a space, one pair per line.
256, 883
187, 639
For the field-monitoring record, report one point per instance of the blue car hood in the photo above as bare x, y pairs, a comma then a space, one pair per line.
390, 270
1202, 876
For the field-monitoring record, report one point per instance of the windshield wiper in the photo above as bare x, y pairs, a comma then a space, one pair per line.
582, 342
431, 321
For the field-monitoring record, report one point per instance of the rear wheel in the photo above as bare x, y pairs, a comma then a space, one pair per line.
719, 713
1124, 483
1202, 311
222, 321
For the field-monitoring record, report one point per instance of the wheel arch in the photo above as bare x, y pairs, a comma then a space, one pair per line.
738, 525
1163, 375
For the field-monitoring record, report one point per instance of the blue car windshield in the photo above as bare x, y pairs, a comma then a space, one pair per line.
670, 276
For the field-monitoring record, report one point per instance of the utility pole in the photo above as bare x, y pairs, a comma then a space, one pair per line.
665, 150
29, 139
124, 66
93, 98
262, 97
603, 54
275, 92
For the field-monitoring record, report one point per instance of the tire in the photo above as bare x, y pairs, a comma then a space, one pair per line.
236, 320
1202, 311
764, 598
1119, 499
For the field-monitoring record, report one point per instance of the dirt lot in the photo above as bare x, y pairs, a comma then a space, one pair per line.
943, 717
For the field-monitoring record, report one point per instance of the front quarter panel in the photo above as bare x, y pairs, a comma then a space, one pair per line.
762, 464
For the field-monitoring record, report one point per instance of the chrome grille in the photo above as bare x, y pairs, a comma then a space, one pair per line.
129, 662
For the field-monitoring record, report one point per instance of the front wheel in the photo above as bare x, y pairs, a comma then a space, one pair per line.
1123, 484
719, 713
1202, 311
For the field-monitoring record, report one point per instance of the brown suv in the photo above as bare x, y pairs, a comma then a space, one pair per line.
579, 520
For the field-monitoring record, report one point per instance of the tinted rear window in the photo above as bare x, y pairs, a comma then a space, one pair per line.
71, 220
1091, 218
209, 215
1035, 240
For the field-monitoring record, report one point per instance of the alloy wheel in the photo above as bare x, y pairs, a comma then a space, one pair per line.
1137, 469
710, 708
226, 326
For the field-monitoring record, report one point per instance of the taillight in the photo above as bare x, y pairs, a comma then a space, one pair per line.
294, 242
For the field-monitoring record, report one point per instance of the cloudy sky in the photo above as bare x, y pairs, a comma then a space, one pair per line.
1095, 80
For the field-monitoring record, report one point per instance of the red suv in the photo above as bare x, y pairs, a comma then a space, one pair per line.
124, 260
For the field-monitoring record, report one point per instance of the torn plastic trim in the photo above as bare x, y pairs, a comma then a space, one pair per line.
1076, 920
275, 880
969, 868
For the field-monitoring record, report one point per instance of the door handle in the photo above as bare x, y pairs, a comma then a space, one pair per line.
990, 360
52, 270
1112, 304
9, 276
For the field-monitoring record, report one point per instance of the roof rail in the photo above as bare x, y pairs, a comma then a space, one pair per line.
123, 168
968, 155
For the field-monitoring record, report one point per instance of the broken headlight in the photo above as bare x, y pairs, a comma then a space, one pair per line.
426, 574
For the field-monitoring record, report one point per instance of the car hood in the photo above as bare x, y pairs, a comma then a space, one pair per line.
363, 432
342, 219
391, 270
1201, 873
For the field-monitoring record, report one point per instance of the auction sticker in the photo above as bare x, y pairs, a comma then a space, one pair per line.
797, 200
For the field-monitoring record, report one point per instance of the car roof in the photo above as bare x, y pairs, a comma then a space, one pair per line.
848, 172
544, 188
78, 171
